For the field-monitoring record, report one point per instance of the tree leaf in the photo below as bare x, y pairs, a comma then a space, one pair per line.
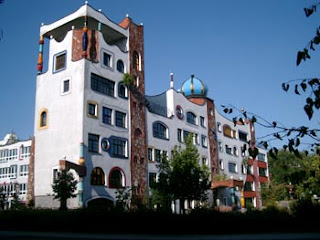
300, 56
296, 91
303, 86
285, 87
309, 111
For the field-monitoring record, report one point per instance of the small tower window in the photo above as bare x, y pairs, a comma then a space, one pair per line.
60, 61
122, 90
43, 119
107, 59
120, 66
136, 61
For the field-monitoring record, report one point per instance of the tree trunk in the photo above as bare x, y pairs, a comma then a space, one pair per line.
63, 205
182, 209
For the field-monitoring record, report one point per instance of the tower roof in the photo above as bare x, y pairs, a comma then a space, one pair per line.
194, 87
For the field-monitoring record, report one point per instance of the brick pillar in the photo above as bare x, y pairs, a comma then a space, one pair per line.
30, 187
138, 148
212, 137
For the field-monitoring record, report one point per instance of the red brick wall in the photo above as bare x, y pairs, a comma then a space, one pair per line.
212, 131
92, 49
138, 156
30, 190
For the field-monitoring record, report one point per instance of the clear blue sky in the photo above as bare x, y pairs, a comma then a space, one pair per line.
243, 50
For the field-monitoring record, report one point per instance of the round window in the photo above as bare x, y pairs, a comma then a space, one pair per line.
105, 144
179, 112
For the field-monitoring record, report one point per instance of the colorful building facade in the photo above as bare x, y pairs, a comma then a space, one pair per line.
111, 136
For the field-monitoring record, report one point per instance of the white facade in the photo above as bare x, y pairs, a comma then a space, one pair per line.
14, 168
85, 116
66, 96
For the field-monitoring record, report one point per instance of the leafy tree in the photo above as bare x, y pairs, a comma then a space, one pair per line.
123, 196
64, 187
182, 177
288, 170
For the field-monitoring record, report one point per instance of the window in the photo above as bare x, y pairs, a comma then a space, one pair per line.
25, 152
228, 149
43, 121
191, 118
249, 169
120, 66
92, 109
185, 135
93, 143
97, 177
202, 123
60, 61
219, 126
150, 154
227, 132
106, 115
102, 85
152, 179
243, 169
235, 151
23, 188
221, 165
195, 139
66, 86
179, 112
179, 135
261, 157
107, 60
262, 172
204, 162
54, 174
220, 146
204, 141
157, 155
116, 179
242, 136
232, 167
136, 61
120, 119
13, 171
122, 90
118, 148
12, 154
24, 170
160, 130
248, 186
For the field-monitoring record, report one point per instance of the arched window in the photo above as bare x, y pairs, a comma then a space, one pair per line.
97, 177
160, 130
116, 178
122, 90
43, 119
136, 61
227, 131
191, 118
120, 66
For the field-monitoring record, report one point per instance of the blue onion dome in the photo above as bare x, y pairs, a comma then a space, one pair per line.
194, 87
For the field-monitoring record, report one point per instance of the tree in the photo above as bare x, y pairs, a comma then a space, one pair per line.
287, 171
182, 177
64, 187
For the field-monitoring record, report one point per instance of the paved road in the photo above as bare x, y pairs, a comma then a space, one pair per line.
11, 235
